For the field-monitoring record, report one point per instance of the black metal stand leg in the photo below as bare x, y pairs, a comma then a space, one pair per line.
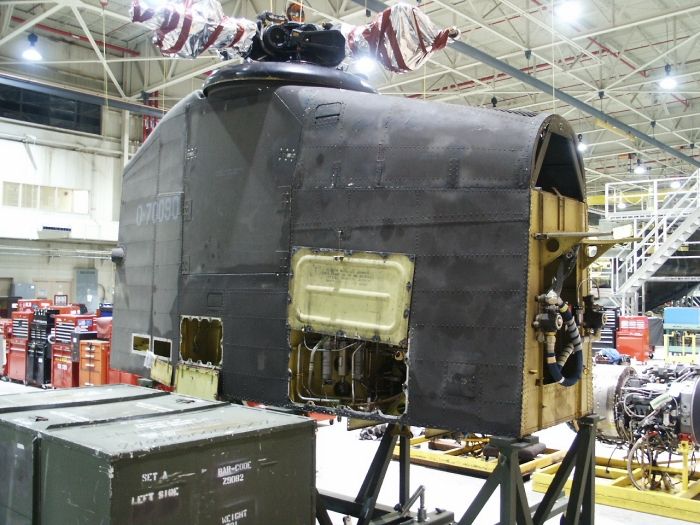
507, 476
365, 506
404, 466
507, 487
321, 513
487, 490
367, 496
580, 455
557, 486
582, 497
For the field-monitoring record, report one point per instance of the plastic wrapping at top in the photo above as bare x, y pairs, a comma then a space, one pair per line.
187, 28
401, 38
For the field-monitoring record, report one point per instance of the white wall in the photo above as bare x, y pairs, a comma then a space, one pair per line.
39, 155
47, 157
27, 262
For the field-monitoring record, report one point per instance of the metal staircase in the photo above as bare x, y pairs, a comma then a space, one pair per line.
607, 333
664, 214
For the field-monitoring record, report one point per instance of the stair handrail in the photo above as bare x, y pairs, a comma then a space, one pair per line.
689, 187
659, 253
657, 229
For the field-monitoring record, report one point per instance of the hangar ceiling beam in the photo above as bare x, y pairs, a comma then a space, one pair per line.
216, 64
29, 24
6, 17
95, 48
485, 58
562, 38
672, 14
685, 42
552, 62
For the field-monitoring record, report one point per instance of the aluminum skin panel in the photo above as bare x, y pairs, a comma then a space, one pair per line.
150, 230
243, 148
253, 310
384, 177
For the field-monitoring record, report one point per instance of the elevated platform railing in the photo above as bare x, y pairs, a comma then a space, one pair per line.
664, 213
647, 199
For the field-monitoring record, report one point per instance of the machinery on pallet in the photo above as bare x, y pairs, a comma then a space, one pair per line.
655, 414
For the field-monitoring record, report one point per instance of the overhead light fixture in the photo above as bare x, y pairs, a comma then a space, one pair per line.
668, 82
640, 169
569, 11
365, 66
32, 53
621, 206
675, 184
581, 144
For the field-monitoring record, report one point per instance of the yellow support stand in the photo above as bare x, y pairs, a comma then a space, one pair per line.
614, 488
468, 458
686, 353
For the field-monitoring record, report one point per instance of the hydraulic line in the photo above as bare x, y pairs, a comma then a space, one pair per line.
574, 347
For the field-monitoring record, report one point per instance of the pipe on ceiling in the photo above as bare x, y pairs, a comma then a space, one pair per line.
82, 38
489, 60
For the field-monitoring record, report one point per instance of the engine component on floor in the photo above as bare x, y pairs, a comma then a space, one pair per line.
662, 398
655, 414
369, 256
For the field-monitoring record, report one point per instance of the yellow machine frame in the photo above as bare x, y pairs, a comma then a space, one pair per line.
614, 488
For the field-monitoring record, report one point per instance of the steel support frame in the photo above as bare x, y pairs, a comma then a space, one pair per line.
364, 507
514, 509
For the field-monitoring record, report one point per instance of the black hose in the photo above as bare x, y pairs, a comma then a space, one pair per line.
555, 369
567, 263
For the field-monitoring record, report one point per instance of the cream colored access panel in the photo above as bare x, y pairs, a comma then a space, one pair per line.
358, 295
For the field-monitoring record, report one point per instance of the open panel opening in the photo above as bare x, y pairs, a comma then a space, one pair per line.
560, 171
201, 340
336, 372
140, 343
162, 347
